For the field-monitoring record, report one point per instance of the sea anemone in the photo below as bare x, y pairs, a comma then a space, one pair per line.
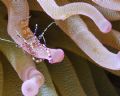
95, 18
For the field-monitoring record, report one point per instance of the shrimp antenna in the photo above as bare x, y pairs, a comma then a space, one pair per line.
5, 40
42, 35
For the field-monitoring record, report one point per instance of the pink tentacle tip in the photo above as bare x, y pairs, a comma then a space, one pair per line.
105, 26
57, 56
31, 87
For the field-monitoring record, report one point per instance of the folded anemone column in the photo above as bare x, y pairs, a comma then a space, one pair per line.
110, 4
18, 29
62, 12
77, 30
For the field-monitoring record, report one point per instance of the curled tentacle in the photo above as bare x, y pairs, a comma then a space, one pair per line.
111, 39
78, 31
63, 12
